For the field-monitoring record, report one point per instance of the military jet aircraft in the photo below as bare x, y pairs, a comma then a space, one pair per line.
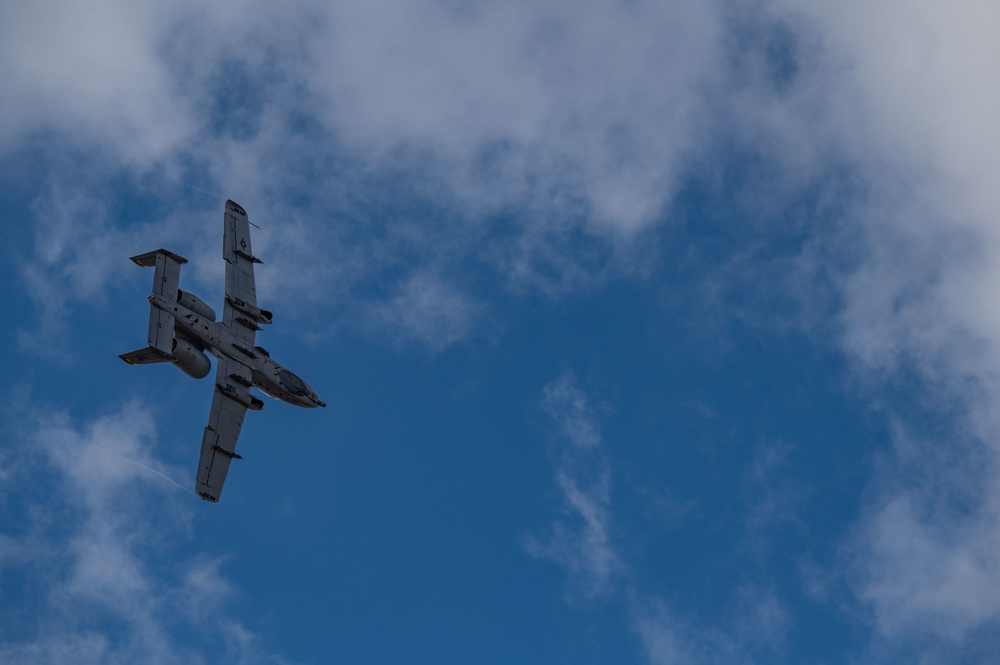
182, 327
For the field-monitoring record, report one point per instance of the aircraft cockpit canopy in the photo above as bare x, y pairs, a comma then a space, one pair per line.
292, 383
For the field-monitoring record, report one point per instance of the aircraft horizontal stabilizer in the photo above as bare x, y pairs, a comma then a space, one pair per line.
147, 356
148, 260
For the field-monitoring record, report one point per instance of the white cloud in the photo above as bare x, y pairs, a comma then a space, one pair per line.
582, 543
924, 555
755, 624
112, 514
93, 72
665, 639
571, 117
602, 103
601, 100
923, 578
73, 261
554, 116
920, 300
772, 500
753, 630
569, 407
427, 310
920, 74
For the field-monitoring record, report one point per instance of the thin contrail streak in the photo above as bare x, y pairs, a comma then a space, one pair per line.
140, 465
186, 184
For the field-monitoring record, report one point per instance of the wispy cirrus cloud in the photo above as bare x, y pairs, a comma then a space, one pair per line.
755, 631
583, 542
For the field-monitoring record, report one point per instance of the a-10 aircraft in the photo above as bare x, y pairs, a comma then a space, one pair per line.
182, 327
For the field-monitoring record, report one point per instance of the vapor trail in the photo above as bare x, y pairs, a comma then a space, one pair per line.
186, 184
141, 466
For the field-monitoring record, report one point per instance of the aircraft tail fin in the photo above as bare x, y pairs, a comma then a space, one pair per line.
166, 280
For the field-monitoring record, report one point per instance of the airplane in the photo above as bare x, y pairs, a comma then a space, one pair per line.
182, 327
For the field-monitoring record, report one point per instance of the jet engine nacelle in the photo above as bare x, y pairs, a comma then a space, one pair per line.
195, 304
190, 359
256, 313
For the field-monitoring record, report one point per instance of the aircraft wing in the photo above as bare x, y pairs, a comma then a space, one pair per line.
240, 284
218, 445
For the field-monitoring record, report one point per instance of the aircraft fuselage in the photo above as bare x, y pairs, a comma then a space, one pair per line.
268, 375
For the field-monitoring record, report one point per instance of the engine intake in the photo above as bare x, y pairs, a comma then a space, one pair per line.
190, 359
195, 304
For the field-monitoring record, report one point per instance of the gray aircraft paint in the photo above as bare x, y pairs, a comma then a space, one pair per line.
182, 328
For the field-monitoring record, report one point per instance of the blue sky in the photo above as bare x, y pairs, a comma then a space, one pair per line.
651, 332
